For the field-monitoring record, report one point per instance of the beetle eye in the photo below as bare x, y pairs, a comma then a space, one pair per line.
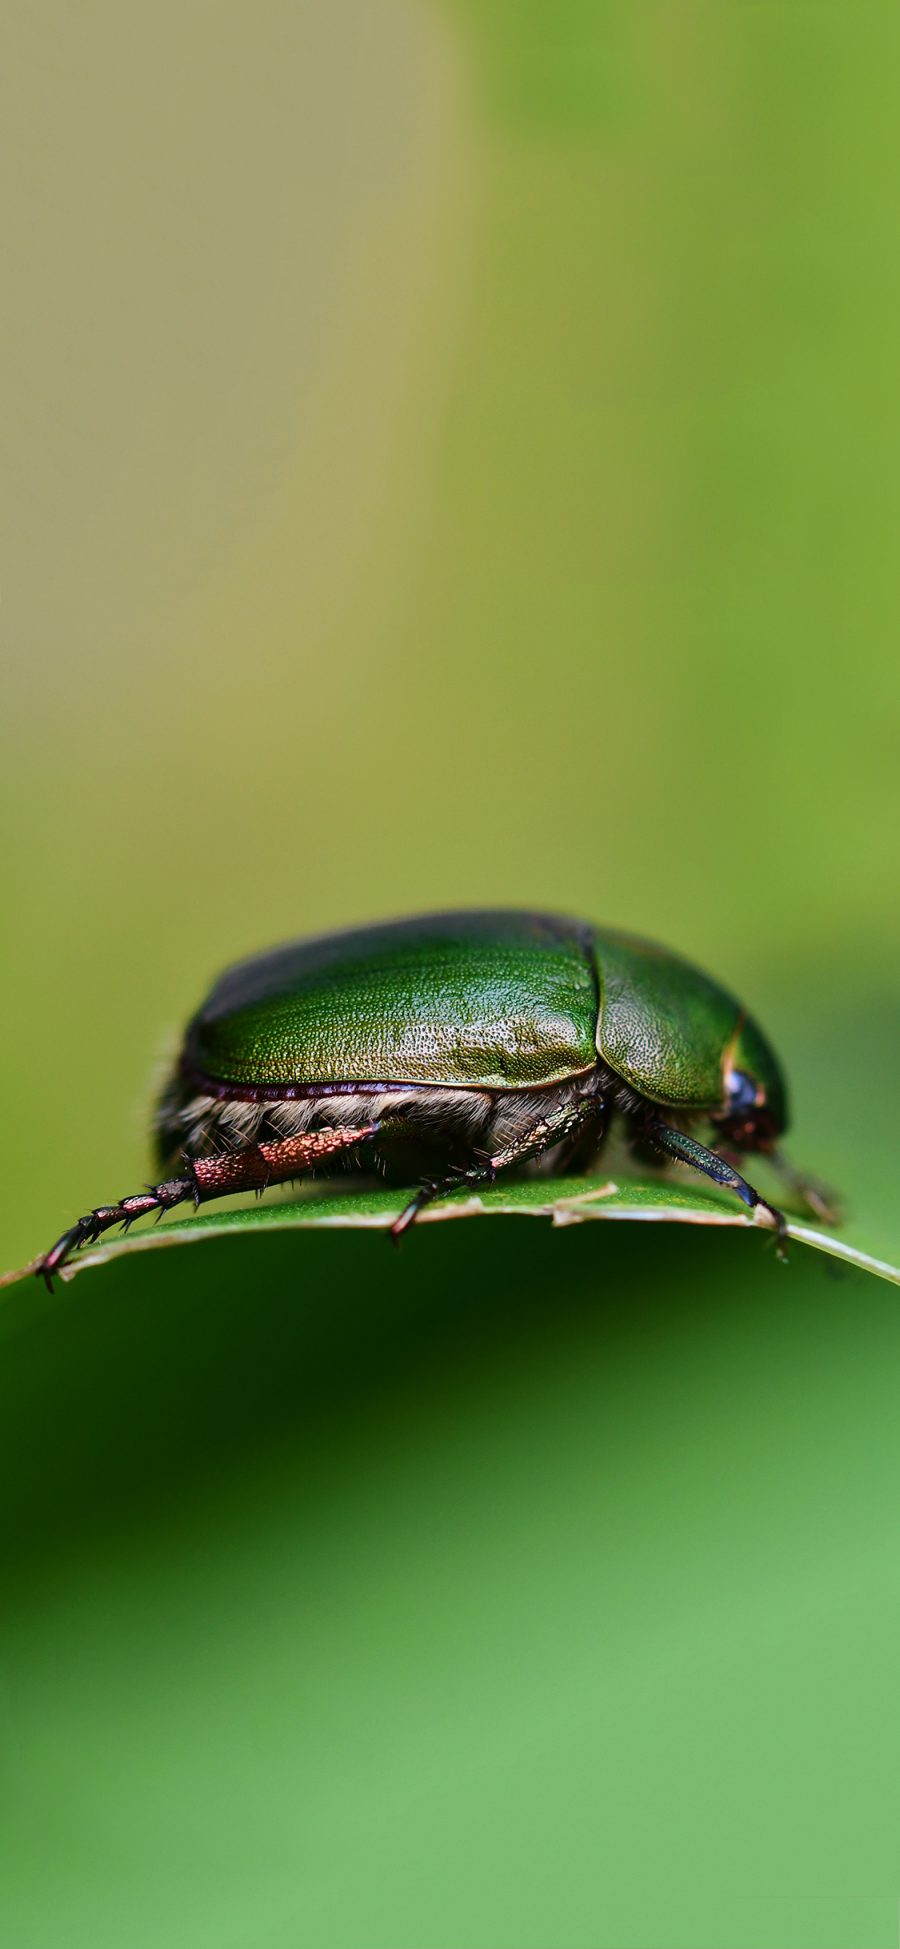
742, 1092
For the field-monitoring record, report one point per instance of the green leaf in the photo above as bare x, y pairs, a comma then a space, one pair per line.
561, 1201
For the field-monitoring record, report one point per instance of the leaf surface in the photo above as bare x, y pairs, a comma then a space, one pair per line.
560, 1201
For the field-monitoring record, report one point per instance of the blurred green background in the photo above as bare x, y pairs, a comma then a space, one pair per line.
451, 457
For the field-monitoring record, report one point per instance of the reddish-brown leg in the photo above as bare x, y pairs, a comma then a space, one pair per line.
204, 1178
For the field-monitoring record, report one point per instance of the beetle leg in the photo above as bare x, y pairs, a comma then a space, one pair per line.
159, 1198
823, 1203
687, 1151
811, 1193
555, 1128
204, 1178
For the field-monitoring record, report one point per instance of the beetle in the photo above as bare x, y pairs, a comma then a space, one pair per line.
442, 1050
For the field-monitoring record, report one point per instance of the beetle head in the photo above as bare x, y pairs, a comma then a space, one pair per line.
754, 1110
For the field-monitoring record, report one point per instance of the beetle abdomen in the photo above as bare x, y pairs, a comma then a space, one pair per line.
480, 1000
443, 1126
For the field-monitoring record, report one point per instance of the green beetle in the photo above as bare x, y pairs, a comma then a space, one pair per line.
442, 1050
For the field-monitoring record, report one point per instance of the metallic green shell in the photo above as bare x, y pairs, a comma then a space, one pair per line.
480, 1000
490, 1000
671, 1031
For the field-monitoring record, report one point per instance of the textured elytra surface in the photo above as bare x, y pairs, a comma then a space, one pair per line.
501, 1000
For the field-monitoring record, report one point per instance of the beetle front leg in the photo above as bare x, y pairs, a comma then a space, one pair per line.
815, 1197
687, 1151
204, 1178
